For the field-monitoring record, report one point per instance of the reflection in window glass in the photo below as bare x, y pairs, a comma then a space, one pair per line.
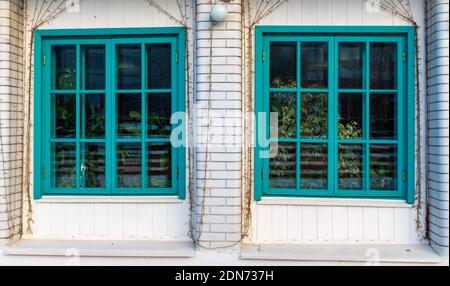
283, 167
63, 115
159, 113
129, 163
129, 67
383, 164
159, 160
283, 64
350, 116
65, 67
314, 115
159, 66
94, 67
350, 166
351, 59
285, 105
94, 112
63, 162
382, 116
93, 169
129, 115
313, 166
314, 65
382, 65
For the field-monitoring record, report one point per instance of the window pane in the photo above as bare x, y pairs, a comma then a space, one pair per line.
382, 116
283, 64
65, 67
351, 166
159, 113
314, 65
313, 166
285, 105
94, 66
63, 115
159, 66
350, 116
283, 167
383, 164
351, 59
93, 167
94, 115
63, 162
382, 65
129, 67
159, 160
129, 163
314, 115
129, 115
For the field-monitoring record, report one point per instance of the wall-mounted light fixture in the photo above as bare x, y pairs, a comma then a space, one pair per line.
219, 11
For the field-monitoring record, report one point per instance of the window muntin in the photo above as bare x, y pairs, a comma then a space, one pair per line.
97, 141
345, 132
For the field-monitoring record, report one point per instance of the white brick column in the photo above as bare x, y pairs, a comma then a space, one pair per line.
11, 95
219, 90
438, 123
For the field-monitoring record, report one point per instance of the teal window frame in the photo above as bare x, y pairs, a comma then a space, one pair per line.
404, 37
175, 36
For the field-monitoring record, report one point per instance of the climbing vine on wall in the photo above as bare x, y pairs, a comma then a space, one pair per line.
402, 9
42, 12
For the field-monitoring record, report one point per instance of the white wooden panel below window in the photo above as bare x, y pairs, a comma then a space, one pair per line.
337, 221
300, 223
165, 221
107, 217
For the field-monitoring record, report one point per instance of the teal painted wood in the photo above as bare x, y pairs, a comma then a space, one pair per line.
108, 37
404, 116
259, 169
37, 167
411, 117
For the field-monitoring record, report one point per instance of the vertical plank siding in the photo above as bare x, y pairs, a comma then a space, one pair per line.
270, 223
334, 224
339, 223
116, 220
163, 221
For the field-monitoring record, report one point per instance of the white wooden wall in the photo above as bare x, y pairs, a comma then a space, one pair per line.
126, 219
291, 222
271, 222
310, 223
111, 220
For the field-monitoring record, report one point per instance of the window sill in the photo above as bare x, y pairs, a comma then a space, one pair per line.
334, 202
102, 248
110, 199
358, 253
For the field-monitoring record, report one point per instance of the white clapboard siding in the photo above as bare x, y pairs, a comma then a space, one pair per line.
335, 223
111, 220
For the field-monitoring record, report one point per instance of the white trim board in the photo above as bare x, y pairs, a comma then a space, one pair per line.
334, 202
110, 199
369, 253
101, 248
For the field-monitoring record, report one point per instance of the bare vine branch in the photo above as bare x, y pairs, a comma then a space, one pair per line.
165, 12
47, 11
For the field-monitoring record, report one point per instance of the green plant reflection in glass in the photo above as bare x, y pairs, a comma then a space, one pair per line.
314, 115
66, 79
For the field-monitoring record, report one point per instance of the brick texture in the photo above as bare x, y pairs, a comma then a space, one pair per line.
11, 93
218, 90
